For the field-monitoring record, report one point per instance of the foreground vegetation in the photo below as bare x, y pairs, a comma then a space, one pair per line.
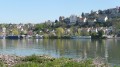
46, 61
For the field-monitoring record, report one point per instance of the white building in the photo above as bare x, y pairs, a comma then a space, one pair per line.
73, 19
82, 19
102, 18
94, 30
61, 18
85, 20
91, 21
4, 31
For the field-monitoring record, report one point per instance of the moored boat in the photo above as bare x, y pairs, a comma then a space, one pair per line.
81, 37
38, 36
14, 37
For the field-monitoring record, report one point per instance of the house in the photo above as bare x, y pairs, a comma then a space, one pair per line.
52, 32
67, 31
84, 19
109, 30
94, 30
102, 18
103, 12
91, 21
114, 10
61, 18
4, 30
73, 19
81, 20
88, 29
86, 15
93, 14
85, 31
30, 32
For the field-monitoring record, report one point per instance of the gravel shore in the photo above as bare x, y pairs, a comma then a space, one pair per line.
10, 60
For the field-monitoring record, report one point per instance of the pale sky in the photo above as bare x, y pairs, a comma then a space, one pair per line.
36, 11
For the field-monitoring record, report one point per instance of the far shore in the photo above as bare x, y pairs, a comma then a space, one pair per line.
57, 37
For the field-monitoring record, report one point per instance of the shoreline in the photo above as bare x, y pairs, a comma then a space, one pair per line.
11, 60
57, 37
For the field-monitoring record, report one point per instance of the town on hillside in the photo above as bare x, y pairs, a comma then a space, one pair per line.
96, 24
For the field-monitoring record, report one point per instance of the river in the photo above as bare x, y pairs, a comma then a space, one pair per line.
70, 48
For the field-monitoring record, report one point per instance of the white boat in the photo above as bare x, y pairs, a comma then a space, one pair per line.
28, 37
38, 36
2, 37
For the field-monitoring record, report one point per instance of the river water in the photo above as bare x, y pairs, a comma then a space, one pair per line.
70, 48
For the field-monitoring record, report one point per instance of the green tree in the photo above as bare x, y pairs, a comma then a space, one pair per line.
79, 31
59, 31
71, 31
84, 33
82, 14
15, 32
94, 35
116, 25
39, 26
46, 36
100, 33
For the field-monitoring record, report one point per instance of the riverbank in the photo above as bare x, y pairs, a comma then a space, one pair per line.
47, 61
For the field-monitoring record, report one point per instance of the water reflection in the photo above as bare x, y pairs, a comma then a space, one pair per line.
72, 48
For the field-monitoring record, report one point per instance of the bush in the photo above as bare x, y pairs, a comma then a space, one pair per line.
45, 36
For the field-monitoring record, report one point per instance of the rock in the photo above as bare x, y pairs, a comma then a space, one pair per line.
10, 60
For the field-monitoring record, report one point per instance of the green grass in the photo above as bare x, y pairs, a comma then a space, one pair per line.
37, 61
56, 63
62, 62
27, 64
86, 63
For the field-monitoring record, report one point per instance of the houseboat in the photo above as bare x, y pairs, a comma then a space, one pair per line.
14, 37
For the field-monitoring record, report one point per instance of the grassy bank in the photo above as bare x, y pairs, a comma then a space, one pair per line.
46, 61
